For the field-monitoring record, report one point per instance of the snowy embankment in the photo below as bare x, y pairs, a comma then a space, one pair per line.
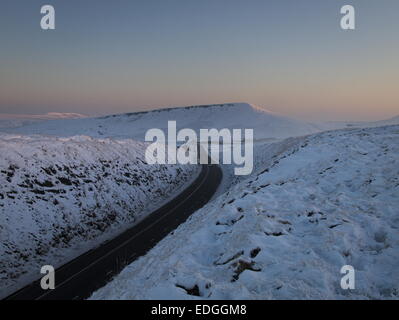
62, 196
325, 201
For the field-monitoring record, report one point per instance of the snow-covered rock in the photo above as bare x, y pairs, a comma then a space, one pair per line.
318, 203
60, 197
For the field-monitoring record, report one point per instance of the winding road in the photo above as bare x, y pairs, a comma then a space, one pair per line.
79, 278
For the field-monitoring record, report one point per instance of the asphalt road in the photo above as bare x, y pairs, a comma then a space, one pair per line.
79, 278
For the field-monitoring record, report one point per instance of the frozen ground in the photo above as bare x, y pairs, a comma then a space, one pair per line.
60, 197
313, 205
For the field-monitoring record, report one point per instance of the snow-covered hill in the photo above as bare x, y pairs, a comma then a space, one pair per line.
334, 125
60, 197
318, 203
18, 120
391, 121
266, 124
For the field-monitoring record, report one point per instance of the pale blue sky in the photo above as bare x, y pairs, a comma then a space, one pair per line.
121, 56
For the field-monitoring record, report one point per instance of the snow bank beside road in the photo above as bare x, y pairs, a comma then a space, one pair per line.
285, 233
62, 196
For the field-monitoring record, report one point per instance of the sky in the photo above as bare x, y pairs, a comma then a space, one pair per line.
288, 56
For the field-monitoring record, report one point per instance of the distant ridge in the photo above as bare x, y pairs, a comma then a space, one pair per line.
266, 124
46, 116
9, 120
204, 106
168, 109
393, 120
